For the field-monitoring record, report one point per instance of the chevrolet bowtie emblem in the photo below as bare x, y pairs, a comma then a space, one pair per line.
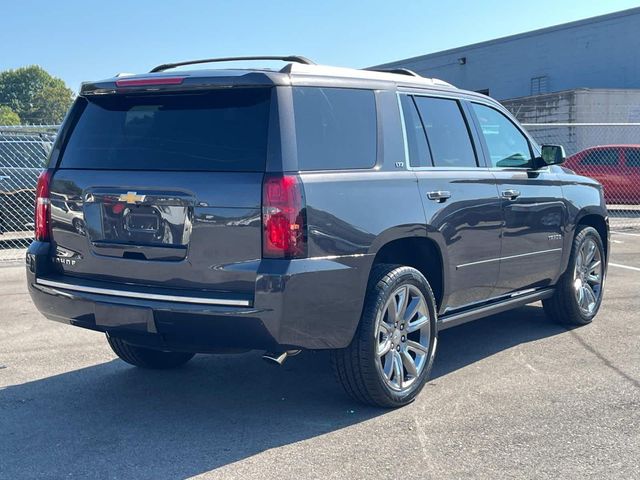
131, 197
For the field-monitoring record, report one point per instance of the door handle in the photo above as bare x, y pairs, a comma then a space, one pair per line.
439, 195
510, 194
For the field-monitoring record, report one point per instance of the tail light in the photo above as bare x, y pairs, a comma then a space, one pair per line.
43, 206
284, 217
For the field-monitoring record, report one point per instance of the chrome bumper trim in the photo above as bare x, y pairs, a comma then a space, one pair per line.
145, 296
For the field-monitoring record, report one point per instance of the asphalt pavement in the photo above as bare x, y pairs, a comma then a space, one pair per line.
512, 396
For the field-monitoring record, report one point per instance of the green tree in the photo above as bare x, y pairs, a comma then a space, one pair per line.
35, 95
8, 116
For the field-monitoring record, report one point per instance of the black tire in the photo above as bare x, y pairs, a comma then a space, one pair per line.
147, 357
564, 307
358, 367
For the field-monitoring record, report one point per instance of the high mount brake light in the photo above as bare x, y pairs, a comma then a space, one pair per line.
43, 207
148, 82
284, 217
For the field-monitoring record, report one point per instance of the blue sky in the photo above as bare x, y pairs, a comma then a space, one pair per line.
80, 40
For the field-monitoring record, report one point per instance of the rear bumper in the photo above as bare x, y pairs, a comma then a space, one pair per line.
305, 303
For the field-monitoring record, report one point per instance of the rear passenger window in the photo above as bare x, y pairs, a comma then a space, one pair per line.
605, 156
447, 132
419, 155
335, 128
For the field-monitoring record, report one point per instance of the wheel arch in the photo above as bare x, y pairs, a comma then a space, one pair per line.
420, 252
600, 223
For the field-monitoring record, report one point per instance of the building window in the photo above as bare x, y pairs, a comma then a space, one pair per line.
539, 85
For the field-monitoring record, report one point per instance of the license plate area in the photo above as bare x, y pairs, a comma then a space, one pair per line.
145, 220
112, 316
142, 218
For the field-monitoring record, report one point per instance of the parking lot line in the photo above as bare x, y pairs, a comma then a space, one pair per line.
624, 266
626, 233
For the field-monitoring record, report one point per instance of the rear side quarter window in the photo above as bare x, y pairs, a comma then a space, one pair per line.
336, 128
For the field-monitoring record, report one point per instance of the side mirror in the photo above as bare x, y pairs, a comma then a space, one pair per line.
551, 155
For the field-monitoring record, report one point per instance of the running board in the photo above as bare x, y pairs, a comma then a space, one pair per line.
453, 320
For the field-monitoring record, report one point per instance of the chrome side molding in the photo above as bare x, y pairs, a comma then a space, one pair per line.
510, 257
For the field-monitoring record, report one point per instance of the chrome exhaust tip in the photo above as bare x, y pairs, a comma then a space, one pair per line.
278, 358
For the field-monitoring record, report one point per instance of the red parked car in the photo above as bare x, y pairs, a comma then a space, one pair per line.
616, 167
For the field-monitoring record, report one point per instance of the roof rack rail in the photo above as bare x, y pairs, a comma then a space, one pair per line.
288, 58
399, 71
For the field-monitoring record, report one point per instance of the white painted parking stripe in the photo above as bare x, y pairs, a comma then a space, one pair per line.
624, 266
627, 233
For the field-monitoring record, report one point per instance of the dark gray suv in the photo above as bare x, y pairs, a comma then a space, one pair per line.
217, 211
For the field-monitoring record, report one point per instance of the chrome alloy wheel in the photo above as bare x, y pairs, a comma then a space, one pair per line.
403, 334
588, 276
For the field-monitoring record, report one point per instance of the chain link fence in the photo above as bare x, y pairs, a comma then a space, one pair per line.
23, 152
608, 152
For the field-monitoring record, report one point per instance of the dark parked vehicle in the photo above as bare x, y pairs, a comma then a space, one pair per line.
307, 208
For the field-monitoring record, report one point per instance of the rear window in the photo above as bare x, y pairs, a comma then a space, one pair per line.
216, 131
335, 128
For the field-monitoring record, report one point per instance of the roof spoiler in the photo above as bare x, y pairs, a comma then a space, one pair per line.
288, 58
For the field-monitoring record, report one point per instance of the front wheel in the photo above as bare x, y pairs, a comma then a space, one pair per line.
389, 360
147, 357
578, 294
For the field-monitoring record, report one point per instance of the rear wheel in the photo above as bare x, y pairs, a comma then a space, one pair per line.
578, 294
147, 357
390, 357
